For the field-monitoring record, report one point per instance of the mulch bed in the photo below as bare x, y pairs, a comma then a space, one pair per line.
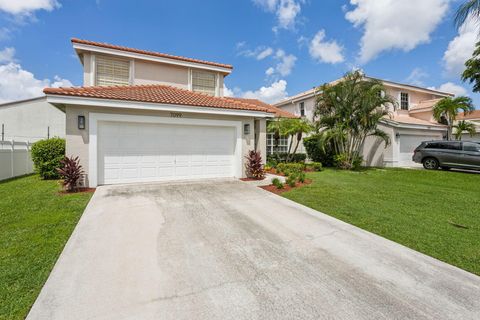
79, 190
274, 171
286, 187
251, 179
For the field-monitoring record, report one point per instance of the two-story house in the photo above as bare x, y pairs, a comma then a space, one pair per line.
411, 122
473, 117
148, 116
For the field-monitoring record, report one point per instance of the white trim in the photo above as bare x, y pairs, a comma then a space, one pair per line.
190, 81
93, 69
93, 48
131, 71
94, 118
58, 99
396, 124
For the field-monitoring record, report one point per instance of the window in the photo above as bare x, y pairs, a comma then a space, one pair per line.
472, 147
112, 72
444, 145
302, 109
404, 101
282, 144
204, 82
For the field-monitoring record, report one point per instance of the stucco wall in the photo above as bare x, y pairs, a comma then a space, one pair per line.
78, 140
31, 120
156, 73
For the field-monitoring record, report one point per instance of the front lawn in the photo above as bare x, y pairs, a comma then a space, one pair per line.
35, 224
434, 212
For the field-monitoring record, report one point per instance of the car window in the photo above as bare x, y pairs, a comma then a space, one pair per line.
469, 146
444, 145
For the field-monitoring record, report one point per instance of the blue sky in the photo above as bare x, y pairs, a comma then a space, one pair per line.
277, 47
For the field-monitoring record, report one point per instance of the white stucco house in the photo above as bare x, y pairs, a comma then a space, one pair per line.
147, 116
411, 122
473, 117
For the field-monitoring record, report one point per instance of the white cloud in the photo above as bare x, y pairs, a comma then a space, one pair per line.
394, 24
27, 7
286, 63
265, 53
7, 55
451, 87
275, 92
325, 51
460, 49
416, 77
286, 11
227, 92
17, 83
270, 71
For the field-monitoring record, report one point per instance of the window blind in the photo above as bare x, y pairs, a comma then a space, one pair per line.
112, 72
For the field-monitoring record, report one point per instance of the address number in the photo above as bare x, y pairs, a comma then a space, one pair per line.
176, 115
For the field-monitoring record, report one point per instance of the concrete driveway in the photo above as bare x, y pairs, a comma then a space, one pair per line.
228, 250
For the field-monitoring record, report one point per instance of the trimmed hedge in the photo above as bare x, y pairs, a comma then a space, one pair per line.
318, 152
47, 155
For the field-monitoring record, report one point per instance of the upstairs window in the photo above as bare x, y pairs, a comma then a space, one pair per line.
204, 82
112, 72
302, 109
404, 101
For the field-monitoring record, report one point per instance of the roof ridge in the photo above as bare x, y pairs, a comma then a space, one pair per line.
148, 52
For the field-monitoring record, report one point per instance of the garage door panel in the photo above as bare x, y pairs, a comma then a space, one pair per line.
131, 152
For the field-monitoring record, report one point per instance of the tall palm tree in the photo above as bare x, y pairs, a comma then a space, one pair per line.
464, 126
349, 112
470, 9
299, 127
448, 109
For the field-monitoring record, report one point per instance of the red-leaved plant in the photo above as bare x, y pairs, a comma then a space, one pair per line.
71, 171
254, 166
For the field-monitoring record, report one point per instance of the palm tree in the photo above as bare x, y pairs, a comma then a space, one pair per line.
470, 9
464, 126
349, 112
448, 109
298, 128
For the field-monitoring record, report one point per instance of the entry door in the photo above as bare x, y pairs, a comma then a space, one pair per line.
139, 152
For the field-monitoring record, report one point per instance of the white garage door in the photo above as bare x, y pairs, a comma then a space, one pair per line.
408, 143
140, 152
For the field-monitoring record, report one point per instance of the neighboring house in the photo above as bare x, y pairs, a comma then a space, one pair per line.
473, 117
411, 122
146, 116
21, 124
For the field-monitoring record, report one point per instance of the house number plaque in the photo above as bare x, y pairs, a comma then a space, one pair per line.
176, 115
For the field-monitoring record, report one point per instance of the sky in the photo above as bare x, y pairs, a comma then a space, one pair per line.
277, 47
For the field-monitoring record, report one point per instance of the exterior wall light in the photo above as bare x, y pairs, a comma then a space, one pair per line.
81, 122
246, 128
397, 135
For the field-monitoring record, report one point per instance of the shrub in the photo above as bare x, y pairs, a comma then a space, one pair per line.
315, 166
292, 180
282, 157
302, 177
47, 156
254, 166
71, 171
277, 183
343, 163
290, 168
319, 151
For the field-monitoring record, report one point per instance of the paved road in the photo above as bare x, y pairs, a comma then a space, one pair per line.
228, 250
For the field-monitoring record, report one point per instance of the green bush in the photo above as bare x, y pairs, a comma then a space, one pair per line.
47, 156
277, 183
318, 151
290, 168
302, 177
282, 157
343, 163
292, 180
315, 166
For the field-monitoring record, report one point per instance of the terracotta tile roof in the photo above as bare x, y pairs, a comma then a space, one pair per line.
473, 115
156, 94
150, 53
278, 112
404, 118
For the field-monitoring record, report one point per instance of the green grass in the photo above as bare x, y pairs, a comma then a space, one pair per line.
35, 224
416, 208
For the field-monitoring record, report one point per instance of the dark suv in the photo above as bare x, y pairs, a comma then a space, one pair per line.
448, 154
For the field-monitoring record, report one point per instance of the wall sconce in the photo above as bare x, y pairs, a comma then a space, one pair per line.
81, 122
397, 135
246, 128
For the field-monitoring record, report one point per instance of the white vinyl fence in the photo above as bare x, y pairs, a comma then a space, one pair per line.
15, 159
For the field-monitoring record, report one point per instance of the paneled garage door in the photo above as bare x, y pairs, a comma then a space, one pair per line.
142, 152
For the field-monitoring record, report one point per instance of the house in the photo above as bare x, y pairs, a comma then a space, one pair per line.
21, 124
146, 116
410, 123
473, 117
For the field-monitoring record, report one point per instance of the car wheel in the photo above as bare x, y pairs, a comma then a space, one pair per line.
430, 164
